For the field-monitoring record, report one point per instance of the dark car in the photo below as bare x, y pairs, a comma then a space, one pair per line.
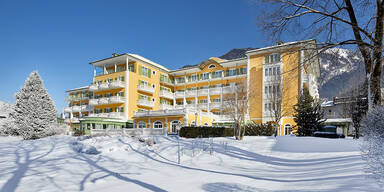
328, 131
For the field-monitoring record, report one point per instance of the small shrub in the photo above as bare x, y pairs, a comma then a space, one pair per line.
204, 132
259, 129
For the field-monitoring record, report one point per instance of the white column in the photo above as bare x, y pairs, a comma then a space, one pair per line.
149, 123
104, 70
174, 99
115, 68
126, 92
94, 71
221, 99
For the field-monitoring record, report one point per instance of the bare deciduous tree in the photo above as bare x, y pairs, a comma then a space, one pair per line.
334, 23
236, 107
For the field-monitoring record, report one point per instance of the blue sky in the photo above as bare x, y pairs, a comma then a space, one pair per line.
60, 38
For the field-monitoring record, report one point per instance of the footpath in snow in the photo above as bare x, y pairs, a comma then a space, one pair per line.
266, 164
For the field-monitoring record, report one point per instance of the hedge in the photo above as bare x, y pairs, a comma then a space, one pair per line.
204, 132
259, 129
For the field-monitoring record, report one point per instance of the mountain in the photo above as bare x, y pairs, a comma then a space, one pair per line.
236, 53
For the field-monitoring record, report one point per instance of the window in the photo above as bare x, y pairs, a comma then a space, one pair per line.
108, 95
143, 83
154, 72
180, 80
162, 88
108, 110
111, 70
180, 103
243, 70
231, 72
145, 71
288, 129
204, 101
97, 111
131, 67
204, 76
121, 94
192, 78
144, 97
204, 87
273, 58
98, 96
217, 100
141, 124
164, 101
217, 74
158, 125
266, 72
121, 68
212, 66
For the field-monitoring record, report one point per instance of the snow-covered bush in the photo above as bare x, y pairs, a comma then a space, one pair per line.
35, 112
373, 145
59, 129
82, 148
5, 109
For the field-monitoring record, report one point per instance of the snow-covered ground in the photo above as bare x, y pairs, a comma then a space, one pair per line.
63, 163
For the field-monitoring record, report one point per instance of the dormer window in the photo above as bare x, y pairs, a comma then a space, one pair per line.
212, 66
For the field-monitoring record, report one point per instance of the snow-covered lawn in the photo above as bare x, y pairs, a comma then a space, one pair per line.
62, 163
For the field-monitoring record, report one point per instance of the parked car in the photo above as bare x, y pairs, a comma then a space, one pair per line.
328, 131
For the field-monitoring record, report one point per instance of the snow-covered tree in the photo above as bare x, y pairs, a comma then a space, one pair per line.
373, 145
308, 114
35, 112
5, 109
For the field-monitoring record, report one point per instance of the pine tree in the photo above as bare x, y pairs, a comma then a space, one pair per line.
308, 116
35, 112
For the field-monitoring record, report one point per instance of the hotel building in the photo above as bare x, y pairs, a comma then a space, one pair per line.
130, 91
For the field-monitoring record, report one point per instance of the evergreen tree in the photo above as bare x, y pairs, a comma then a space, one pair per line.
35, 112
308, 114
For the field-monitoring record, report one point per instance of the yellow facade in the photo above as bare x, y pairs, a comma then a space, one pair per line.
146, 86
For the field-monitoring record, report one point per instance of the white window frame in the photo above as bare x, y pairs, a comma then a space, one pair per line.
156, 124
140, 123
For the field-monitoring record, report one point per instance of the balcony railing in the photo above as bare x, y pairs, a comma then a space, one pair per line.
203, 92
215, 91
179, 106
179, 94
203, 106
108, 115
165, 106
144, 102
116, 99
190, 93
146, 88
93, 102
75, 109
103, 100
215, 105
107, 85
160, 112
166, 81
116, 84
166, 94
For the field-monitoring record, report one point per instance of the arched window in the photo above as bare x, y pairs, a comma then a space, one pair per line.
175, 125
205, 124
141, 124
158, 125
288, 129
212, 66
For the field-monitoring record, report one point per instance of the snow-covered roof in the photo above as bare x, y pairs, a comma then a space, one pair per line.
339, 120
78, 89
148, 61
327, 104
278, 46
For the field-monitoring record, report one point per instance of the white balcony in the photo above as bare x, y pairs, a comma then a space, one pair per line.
116, 115
93, 102
104, 86
160, 113
67, 109
76, 108
179, 106
203, 106
215, 91
166, 94
190, 93
116, 99
116, 84
145, 103
94, 87
179, 95
203, 92
165, 106
191, 105
84, 108
227, 89
215, 105
146, 88
103, 101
